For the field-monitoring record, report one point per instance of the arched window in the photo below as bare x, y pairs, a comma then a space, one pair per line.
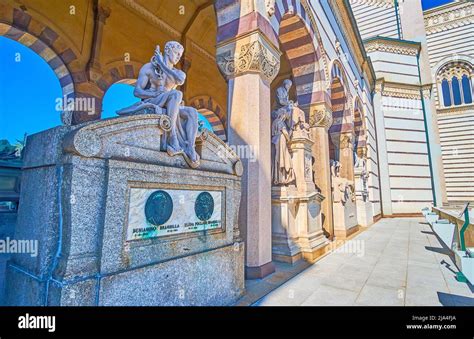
456, 91
467, 89
456, 83
446, 93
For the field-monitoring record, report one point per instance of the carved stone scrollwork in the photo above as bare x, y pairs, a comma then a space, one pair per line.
346, 141
253, 57
320, 118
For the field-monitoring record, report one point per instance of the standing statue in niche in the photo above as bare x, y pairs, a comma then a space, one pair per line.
297, 121
343, 191
156, 86
288, 123
282, 167
361, 165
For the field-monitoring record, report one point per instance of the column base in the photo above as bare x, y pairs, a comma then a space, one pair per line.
365, 215
259, 272
345, 219
288, 259
344, 234
316, 253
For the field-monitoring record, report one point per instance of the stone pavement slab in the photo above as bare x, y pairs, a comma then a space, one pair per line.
395, 262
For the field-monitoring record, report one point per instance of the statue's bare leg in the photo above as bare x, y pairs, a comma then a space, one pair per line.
173, 107
190, 114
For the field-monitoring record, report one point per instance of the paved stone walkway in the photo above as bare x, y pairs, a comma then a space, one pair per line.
395, 262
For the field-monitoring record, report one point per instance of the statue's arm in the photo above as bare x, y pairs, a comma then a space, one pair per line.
178, 76
142, 81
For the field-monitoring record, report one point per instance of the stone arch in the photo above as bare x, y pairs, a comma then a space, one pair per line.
360, 130
299, 39
340, 100
213, 112
42, 46
118, 72
36, 32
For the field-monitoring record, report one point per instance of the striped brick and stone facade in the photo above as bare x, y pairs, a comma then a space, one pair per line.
450, 37
405, 119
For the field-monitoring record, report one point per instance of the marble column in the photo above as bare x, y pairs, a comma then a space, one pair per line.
346, 155
320, 119
385, 192
250, 63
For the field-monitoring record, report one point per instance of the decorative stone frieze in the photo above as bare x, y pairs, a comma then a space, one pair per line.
388, 46
456, 15
252, 56
320, 118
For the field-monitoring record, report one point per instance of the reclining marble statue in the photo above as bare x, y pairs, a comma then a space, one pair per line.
156, 87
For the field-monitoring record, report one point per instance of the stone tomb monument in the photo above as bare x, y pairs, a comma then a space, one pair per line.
119, 221
296, 204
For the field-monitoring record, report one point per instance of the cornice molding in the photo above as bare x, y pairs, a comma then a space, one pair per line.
461, 109
392, 46
402, 91
449, 17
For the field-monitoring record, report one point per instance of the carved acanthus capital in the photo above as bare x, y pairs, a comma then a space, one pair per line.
346, 141
320, 118
251, 57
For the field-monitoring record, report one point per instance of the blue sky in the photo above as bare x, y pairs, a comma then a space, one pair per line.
29, 90
427, 4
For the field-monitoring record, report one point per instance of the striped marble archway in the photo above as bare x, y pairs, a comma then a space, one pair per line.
213, 112
118, 72
21, 27
340, 102
299, 39
360, 131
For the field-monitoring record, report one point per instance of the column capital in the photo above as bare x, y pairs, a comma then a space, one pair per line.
250, 53
320, 115
343, 140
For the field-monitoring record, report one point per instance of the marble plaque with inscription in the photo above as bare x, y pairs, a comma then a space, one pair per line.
161, 212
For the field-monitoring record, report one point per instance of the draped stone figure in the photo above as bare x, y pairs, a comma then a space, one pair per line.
282, 167
156, 86
361, 167
343, 190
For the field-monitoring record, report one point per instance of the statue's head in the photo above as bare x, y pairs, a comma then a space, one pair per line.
174, 50
287, 84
